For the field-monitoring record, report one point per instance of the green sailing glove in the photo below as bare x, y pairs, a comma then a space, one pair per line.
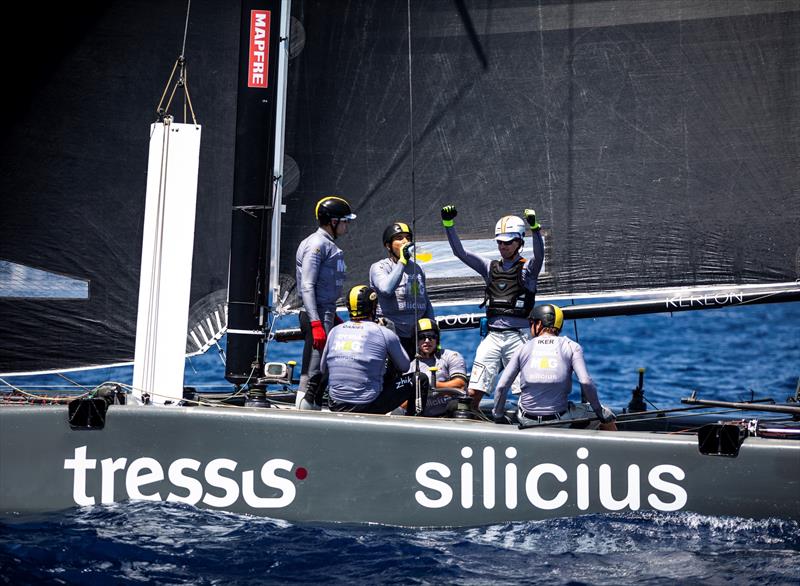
448, 214
530, 215
407, 253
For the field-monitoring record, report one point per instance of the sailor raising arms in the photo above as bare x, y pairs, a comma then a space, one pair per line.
400, 284
355, 361
545, 365
509, 295
320, 271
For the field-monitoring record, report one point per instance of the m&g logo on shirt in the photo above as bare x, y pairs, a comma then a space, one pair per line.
349, 346
547, 362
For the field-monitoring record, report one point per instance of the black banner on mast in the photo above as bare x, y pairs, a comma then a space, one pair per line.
252, 188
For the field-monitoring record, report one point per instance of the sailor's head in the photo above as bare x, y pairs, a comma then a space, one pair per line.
509, 232
334, 211
361, 303
427, 336
396, 236
547, 318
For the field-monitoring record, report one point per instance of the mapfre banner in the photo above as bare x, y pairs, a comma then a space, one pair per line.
258, 68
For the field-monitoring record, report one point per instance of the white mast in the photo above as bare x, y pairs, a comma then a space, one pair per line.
277, 168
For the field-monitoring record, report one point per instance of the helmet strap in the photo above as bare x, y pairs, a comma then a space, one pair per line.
334, 223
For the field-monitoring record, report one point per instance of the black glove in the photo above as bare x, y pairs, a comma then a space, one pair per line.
449, 212
530, 216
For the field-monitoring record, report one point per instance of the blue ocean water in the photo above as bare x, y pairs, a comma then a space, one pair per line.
729, 354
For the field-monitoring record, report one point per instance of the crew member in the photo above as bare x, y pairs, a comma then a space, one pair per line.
450, 369
355, 362
320, 273
509, 294
400, 284
545, 365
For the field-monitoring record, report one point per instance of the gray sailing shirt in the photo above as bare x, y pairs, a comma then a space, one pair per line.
479, 264
355, 360
449, 365
320, 272
402, 294
545, 365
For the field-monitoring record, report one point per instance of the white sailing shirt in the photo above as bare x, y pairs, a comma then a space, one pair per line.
545, 365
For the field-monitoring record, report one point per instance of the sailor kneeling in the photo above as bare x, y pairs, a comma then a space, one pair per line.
545, 365
355, 361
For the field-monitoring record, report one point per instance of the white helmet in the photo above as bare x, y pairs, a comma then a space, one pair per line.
509, 228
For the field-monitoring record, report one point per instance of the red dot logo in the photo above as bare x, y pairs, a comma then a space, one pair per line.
301, 473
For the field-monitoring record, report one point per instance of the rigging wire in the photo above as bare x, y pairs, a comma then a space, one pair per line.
415, 290
575, 325
415, 275
182, 81
186, 28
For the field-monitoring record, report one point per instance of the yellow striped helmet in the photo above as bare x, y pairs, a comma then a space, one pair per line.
361, 302
550, 315
509, 228
333, 207
395, 229
426, 325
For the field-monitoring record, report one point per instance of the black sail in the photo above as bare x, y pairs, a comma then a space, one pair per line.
658, 141
84, 80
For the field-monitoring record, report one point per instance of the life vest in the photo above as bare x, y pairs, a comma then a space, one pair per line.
505, 294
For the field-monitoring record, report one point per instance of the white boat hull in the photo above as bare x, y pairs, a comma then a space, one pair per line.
329, 467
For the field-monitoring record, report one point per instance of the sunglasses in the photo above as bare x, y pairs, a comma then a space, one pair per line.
427, 337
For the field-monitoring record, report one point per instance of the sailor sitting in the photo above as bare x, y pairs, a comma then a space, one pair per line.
447, 367
545, 365
355, 361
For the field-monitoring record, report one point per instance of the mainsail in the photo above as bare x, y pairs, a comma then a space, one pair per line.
657, 140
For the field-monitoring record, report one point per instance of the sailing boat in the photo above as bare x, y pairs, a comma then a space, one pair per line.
641, 139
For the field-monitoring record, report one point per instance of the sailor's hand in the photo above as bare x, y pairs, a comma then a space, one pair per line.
530, 216
407, 253
318, 335
449, 212
501, 420
606, 415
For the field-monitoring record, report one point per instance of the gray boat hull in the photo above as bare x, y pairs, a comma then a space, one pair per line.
319, 466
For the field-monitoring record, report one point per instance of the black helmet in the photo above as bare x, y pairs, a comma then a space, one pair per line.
333, 207
395, 229
426, 325
550, 315
361, 302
